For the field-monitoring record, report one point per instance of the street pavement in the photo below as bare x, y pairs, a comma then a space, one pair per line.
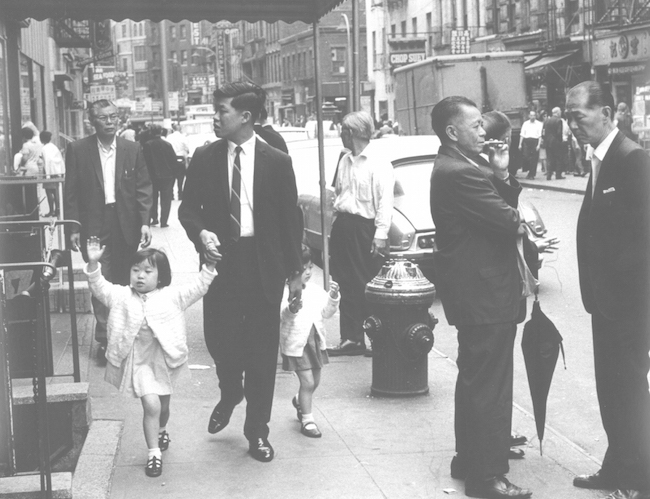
371, 446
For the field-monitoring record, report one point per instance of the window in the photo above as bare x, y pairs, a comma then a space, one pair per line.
184, 57
429, 33
338, 60
154, 32
403, 26
572, 16
172, 32
139, 53
124, 30
393, 31
374, 48
125, 64
512, 13
414, 26
183, 32
141, 79
174, 56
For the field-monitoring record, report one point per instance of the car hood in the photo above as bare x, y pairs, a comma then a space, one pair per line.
415, 212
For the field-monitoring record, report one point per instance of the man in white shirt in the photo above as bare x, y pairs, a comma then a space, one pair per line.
182, 151
363, 210
108, 191
613, 243
53, 165
530, 140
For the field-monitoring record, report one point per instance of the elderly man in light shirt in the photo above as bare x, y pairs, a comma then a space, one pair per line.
359, 239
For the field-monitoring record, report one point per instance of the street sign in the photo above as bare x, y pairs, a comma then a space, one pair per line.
460, 39
173, 101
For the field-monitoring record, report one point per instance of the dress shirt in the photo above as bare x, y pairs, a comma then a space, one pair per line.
364, 187
107, 157
52, 160
531, 130
179, 143
598, 155
247, 165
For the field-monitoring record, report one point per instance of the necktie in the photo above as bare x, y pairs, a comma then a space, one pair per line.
235, 203
595, 168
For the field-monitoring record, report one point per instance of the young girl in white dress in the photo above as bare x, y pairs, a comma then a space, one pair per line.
147, 343
302, 340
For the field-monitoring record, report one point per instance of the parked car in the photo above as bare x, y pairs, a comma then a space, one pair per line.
198, 132
412, 231
330, 129
292, 133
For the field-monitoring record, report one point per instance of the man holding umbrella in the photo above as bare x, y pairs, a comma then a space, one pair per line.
474, 207
614, 267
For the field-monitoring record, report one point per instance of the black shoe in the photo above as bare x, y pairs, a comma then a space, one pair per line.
153, 468
458, 469
310, 429
515, 453
347, 347
219, 419
516, 440
559, 177
164, 226
101, 353
598, 480
261, 449
154, 222
163, 440
296, 404
496, 488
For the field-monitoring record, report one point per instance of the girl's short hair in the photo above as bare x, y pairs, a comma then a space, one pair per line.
305, 256
158, 259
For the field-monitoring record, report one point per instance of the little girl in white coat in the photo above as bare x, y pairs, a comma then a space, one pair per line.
147, 343
302, 340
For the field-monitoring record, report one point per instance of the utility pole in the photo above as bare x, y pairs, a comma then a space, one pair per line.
163, 66
356, 99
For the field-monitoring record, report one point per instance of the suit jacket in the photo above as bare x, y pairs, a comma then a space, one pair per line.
475, 254
160, 158
206, 205
613, 235
272, 137
84, 188
552, 131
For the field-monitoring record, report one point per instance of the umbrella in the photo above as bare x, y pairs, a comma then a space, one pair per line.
541, 343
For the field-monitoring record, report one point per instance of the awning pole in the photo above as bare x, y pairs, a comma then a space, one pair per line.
321, 156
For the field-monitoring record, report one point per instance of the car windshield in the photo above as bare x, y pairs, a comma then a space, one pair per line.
412, 180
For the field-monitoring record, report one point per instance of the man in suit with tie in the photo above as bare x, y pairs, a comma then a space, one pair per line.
613, 240
474, 207
161, 162
239, 205
108, 191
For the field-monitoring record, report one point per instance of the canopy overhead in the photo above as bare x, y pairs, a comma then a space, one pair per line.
307, 11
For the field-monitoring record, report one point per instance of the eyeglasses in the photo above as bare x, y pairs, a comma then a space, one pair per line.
105, 119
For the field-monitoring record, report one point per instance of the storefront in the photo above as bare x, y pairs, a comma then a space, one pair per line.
621, 61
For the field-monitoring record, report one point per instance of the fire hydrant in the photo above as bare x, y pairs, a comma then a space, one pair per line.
400, 329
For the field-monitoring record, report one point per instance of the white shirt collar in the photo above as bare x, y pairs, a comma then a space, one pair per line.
113, 145
247, 147
601, 150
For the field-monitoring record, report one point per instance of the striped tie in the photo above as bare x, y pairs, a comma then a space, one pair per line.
235, 202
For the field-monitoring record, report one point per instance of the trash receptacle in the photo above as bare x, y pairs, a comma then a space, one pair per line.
400, 329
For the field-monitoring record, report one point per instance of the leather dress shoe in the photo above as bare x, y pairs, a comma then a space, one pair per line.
458, 469
101, 353
496, 488
598, 480
261, 449
347, 347
628, 494
516, 440
515, 453
219, 419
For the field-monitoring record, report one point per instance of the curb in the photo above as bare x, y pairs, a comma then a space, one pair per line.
549, 187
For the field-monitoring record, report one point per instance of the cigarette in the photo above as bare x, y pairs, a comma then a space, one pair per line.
493, 142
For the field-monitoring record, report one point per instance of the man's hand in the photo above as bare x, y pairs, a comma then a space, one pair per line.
210, 243
75, 241
499, 160
145, 236
379, 247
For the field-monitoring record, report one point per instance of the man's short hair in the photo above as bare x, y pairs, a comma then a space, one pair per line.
597, 95
246, 96
98, 104
263, 114
45, 136
445, 111
360, 124
26, 133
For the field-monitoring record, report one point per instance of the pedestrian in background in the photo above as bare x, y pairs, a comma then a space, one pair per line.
613, 238
554, 144
53, 165
530, 142
182, 151
303, 340
623, 120
474, 208
147, 342
108, 191
363, 210
161, 162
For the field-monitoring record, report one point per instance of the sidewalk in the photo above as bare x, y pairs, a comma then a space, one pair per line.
569, 183
371, 447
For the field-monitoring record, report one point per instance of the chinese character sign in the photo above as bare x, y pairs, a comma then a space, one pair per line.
460, 41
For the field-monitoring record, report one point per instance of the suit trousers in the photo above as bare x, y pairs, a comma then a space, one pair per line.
163, 187
115, 262
531, 156
483, 414
353, 266
621, 363
555, 159
242, 330
179, 175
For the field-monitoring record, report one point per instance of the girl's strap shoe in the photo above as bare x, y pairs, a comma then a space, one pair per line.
163, 440
153, 468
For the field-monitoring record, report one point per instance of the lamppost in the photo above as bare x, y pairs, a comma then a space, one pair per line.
349, 58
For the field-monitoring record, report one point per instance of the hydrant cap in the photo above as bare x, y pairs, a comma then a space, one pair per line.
400, 282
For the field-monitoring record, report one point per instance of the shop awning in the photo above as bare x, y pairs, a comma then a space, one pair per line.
530, 57
307, 11
546, 61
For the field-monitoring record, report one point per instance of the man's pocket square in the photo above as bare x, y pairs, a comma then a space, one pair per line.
607, 191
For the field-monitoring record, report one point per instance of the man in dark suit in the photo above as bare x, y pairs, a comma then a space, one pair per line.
474, 207
240, 203
553, 143
108, 191
614, 265
161, 162
268, 133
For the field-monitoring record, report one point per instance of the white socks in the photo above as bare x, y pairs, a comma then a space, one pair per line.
308, 418
155, 452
